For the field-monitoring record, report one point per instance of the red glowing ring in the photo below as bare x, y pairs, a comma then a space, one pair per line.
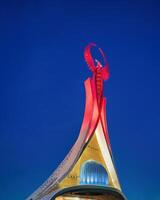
90, 60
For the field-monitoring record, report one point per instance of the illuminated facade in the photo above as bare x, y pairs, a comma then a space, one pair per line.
87, 172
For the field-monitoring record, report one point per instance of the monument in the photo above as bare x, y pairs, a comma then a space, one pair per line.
88, 171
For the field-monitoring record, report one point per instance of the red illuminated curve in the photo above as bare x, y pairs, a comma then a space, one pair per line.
91, 62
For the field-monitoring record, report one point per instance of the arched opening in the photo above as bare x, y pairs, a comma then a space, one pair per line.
93, 173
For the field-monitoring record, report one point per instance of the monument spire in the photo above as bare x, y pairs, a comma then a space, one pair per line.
88, 171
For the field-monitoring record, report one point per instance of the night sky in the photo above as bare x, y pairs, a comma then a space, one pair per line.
42, 95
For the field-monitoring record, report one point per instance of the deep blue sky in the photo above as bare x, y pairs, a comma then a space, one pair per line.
42, 95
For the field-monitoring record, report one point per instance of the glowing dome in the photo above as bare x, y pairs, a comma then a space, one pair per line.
93, 173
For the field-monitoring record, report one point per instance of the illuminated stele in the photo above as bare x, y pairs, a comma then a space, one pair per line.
87, 172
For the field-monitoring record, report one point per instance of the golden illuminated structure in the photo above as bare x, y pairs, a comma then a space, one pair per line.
87, 172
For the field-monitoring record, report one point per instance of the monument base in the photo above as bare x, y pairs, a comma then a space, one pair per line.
89, 192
